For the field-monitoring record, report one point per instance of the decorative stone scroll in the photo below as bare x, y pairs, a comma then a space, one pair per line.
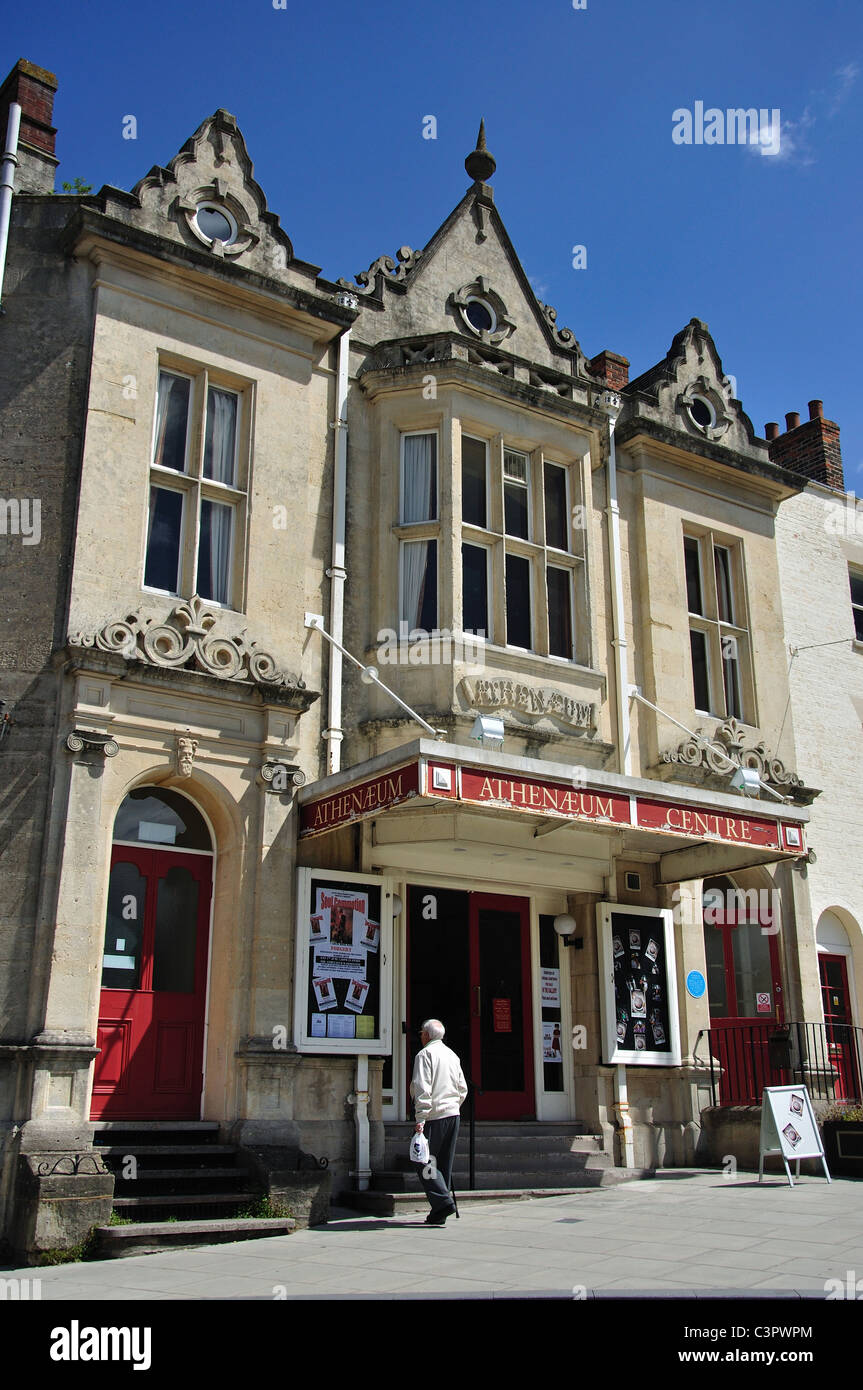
385, 266
537, 701
701, 752
184, 639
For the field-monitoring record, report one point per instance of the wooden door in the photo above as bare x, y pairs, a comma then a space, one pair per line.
154, 980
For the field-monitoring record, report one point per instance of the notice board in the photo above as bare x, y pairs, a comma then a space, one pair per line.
343, 991
638, 998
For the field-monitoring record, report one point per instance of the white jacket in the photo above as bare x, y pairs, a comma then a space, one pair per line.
438, 1087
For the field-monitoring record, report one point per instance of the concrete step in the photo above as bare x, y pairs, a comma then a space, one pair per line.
147, 1237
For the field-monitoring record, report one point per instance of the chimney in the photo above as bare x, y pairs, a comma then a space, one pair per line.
33, 88
811, 449
613, 368
771, 430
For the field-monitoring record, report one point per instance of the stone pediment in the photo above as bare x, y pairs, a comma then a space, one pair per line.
213, 167
424, 291
688, 394
708, 753
186, 640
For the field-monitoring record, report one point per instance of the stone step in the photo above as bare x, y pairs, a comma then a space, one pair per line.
214, 1175
130, 1204
147, 1237
143, 1132
201, 1152
514, 1147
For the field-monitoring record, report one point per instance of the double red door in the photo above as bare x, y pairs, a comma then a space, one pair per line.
745, 994
154, 980
469, 965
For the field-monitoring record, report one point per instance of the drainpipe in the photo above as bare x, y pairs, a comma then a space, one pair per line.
7, 179
611, 403
337, 573
334, 733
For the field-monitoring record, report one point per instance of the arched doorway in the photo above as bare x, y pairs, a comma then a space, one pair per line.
154, 967
835, 959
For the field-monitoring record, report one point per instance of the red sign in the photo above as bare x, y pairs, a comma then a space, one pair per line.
704, 824
470, 784
522, 794
502, 1014
355, 803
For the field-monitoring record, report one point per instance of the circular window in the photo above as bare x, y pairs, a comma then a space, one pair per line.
480, 315
215, 223
702, 412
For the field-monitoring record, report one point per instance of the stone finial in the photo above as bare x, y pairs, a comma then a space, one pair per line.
479, 164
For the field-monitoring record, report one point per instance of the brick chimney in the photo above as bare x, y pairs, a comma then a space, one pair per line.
611, 366
811, 449
33, 88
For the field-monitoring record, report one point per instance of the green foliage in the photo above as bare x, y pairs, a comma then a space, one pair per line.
265, 1207
851, 1111
77, 186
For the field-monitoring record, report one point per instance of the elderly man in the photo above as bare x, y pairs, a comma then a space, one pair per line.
438, 1089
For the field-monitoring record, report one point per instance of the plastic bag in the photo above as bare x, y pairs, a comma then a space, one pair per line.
419, 1150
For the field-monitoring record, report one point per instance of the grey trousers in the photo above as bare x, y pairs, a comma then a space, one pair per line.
442, 1136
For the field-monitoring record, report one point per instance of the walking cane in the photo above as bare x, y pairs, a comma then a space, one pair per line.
455, 1203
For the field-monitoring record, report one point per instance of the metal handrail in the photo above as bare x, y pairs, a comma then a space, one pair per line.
744, 1058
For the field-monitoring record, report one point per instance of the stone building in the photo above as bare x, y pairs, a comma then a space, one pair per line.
381, 655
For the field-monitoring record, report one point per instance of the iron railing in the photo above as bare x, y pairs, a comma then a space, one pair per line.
826, 1058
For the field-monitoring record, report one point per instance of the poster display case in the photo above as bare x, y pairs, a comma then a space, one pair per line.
638, 985
343, 983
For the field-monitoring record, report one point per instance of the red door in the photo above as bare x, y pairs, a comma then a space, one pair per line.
501, 1034
154, 979
745, 994
838, 1026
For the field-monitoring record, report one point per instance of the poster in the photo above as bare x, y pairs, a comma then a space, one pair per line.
549, 984
639, 1002
343, 995
551, 1048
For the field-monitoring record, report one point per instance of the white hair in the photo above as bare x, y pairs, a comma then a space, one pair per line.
434, 1028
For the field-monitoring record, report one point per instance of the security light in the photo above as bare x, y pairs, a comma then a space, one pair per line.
487, 730
746, 781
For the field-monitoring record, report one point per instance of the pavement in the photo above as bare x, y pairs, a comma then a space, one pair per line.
685, 1232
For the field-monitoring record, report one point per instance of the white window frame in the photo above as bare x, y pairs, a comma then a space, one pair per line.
528, 539
489, 579
413, 434
418, 540
476, 439
195, 488
550, 463
717, 631
567, 570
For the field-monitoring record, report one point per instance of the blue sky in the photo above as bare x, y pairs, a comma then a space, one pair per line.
578, 107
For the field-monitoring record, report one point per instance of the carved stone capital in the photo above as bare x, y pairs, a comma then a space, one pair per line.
280, 776
87, 740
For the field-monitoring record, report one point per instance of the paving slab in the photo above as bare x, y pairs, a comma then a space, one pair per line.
671, 1234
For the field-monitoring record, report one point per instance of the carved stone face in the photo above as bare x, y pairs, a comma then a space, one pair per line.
186, 750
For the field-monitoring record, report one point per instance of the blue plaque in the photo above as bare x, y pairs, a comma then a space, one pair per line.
695, 984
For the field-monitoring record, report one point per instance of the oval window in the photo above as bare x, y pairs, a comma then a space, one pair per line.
480, 315
215, 223
702, 412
